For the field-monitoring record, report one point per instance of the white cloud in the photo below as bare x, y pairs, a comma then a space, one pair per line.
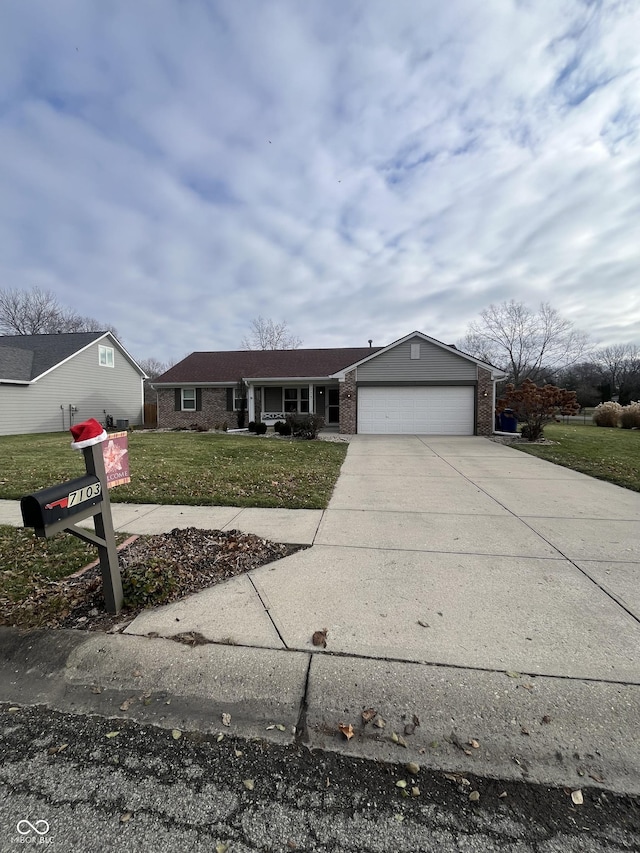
359, 169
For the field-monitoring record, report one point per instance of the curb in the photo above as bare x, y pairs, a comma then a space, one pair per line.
554, 732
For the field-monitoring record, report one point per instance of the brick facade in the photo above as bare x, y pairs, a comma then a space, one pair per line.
214, 412
348, 404
484, 403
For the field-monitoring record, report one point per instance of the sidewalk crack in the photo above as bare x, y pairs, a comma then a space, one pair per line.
301, 723
267, 610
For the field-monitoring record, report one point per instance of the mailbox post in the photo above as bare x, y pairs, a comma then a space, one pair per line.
55, 509
105, 534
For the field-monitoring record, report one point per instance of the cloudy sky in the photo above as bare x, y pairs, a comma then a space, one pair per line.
356, 168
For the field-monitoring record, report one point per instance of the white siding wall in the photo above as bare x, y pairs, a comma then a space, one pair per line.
434, 364
82, 382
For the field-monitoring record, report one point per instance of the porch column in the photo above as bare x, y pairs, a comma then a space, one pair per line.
312, 402
251, 404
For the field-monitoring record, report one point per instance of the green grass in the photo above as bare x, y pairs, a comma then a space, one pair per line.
608, 454
187, 468
26, 561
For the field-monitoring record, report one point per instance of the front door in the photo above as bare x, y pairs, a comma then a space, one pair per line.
320, 400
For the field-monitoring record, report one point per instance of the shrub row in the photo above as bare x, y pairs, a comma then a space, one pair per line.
305, 426
300, 426
612, 414
258, 428
282, 428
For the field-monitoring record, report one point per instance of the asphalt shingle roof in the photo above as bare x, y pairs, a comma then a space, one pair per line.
262, 364
23, 357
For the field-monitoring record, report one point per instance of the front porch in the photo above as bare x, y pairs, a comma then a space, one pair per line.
271, 403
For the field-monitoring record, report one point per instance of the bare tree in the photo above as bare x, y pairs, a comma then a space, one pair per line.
27, 312
620, 367
38, 312
524, 343
477, 346
265, 334
153, 367
585, 378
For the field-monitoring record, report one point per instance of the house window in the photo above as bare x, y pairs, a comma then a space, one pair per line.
105, 356
188, 399
291, 399
296, 400
239, 402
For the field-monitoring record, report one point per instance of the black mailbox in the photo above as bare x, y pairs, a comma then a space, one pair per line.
60, 502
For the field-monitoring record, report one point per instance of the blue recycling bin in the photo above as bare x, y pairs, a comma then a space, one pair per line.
508, 421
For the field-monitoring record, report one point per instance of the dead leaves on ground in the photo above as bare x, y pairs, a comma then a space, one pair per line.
371, 715
410, 728
198, 559
319, 638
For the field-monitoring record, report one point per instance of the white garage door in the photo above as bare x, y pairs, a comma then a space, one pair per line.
418, 411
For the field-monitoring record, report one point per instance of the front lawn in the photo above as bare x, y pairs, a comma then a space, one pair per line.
204, 469
608, 454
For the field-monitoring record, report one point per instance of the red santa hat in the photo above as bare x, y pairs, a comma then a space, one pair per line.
87, 433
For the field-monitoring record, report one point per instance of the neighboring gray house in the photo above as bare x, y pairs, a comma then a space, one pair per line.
415, 385
48, 382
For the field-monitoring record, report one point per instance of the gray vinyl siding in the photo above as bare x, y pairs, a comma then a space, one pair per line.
81, 382
434, 364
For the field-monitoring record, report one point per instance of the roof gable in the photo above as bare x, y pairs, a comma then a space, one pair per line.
31, 356
452, 350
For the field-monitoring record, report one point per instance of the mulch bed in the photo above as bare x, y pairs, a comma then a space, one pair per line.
194, 559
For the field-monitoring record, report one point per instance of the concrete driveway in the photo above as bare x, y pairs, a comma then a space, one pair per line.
455, 551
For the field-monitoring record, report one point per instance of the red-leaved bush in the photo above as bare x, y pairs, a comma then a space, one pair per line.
536, 406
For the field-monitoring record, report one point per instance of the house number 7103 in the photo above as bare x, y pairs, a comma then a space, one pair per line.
84, 494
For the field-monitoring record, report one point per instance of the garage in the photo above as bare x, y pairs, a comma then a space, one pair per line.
422, 410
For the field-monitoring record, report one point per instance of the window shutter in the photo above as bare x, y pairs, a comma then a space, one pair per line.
229, 399
198, 399
178, 400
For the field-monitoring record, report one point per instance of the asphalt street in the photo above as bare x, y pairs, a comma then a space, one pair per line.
74, 783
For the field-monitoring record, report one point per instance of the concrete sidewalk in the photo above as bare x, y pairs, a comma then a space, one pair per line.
491, 594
